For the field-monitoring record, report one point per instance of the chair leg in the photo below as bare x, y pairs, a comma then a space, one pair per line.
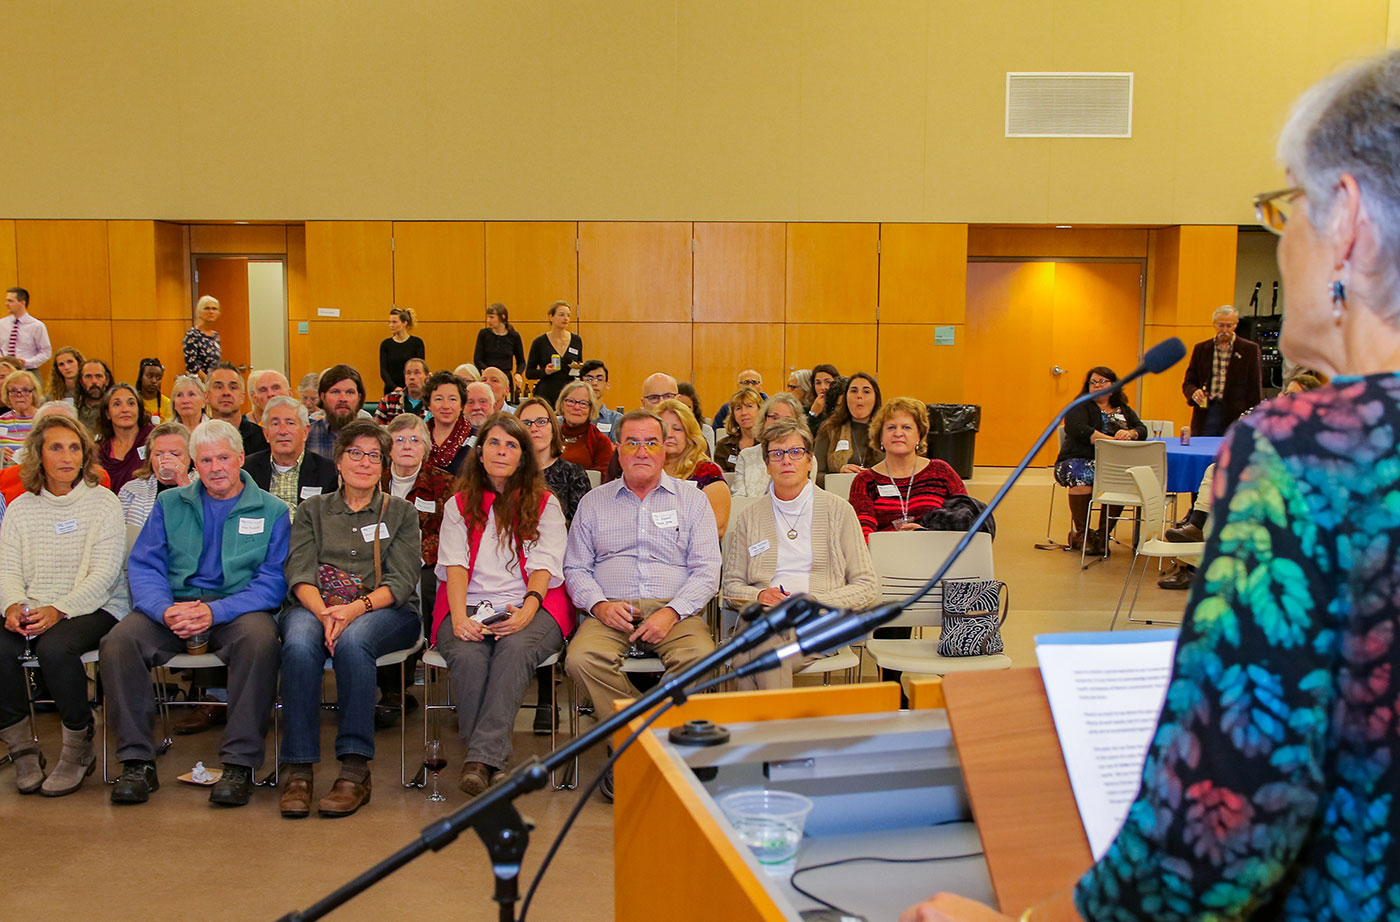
1124, 593
1137, 589
403, 731
1050, 544
163, 706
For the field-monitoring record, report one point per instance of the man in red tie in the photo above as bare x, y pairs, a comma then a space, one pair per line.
21, 334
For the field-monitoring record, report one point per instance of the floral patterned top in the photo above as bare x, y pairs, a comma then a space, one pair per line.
1268, 787
201, 351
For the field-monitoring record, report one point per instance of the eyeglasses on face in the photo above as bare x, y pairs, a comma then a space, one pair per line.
796, 453
25, 391
359, 454
1272, 208
632, 446
1099, 382
749, 382
595, 378
407, 440
578, 404
537, 423
657, 398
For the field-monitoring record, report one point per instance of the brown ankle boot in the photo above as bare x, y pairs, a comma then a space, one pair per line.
75, 763
1078, 517
24, 752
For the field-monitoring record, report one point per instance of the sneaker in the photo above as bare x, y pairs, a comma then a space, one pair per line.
137, 782
234, 787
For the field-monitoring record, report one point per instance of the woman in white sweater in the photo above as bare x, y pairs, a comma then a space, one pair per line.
61, 548
798, 538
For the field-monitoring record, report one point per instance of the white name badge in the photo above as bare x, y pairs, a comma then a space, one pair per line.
4, 430
248, 526
471, 441
141, 452
368, 532
605, 428
155, 420
66, 526
759, 548
573, 350
308, 492
733, 458
843, 445
667, 519
888, 490
425, 505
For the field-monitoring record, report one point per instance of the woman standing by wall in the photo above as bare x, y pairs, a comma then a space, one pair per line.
556, 356
498, 345
398, 348
201, 347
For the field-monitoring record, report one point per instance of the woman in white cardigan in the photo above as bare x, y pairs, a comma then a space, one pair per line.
61, 549
799, 539
751, 470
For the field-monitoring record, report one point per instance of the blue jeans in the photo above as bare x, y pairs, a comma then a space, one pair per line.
304, 655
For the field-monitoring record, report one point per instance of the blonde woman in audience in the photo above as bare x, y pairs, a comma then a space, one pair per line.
751, 470
187, 399
467, 372
167, 465
22, 394
686, 458
843, 441
740, 428
201, 346
584, 443
503, 542
810, 542
555, 356
63, 376
61, 549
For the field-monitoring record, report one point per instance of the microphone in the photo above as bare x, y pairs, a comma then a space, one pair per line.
793, 611
839, 626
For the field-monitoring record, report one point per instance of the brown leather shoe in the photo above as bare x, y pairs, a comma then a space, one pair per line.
1184, 534
1180, 578
476, 777
296, 797
200, 719
345, 798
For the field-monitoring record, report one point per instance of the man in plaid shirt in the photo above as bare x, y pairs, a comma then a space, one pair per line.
1224, 379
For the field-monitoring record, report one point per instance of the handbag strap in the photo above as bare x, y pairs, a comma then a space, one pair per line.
378, 568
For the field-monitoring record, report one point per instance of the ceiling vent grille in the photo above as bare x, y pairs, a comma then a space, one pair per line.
1069, 105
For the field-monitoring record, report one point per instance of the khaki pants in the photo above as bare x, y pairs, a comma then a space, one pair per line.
597, 651
780, 677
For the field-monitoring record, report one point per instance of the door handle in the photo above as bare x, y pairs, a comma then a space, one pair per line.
1057, 371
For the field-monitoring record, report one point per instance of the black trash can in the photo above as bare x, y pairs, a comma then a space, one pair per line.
952, 435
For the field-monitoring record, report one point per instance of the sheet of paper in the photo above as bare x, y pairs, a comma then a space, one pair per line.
1106, 692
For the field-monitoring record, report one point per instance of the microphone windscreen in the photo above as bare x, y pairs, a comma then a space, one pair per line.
1164, 355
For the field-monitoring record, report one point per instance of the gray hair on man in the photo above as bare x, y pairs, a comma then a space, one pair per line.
212, 431
291, 403
1223, 311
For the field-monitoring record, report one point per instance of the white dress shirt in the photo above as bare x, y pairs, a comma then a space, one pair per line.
33, 347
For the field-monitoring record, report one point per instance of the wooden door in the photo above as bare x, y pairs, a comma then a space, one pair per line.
226, 278
1097, 321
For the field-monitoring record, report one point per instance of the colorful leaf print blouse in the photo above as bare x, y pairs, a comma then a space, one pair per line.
1268, 788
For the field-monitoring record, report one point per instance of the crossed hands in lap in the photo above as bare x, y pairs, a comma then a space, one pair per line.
40, 620
186, 619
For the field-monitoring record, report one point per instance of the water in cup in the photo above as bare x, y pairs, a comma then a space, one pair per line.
773, 841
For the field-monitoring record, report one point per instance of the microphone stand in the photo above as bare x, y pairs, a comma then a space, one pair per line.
493, 814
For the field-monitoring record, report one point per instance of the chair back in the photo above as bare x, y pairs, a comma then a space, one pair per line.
595, 479
1160, 428
904, 560
1154, 503
730, 477
1112, 459
839, 485
737, 504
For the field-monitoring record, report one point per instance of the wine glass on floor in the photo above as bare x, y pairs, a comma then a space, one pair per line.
434, 762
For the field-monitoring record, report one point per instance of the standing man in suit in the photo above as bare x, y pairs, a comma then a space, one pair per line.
286, 469
1224, 379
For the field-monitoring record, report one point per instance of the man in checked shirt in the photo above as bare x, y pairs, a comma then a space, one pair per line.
643, 560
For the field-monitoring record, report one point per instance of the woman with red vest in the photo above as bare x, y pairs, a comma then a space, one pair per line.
501, 608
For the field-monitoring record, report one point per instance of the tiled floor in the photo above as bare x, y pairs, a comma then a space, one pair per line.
79, 857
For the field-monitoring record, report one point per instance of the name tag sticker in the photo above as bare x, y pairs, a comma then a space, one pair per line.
66, 526
843, 445
141, 452
425, 505
759, 548
247, 526
308, 492
368, 532
4, 430
605, 428
573, 350
471, 441
667, 519
733, 458
888, 490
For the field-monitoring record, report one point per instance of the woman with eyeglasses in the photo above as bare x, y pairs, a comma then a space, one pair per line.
148, 380
896, 492
686, 458
801, 539
740, 428
1107, 416
504, 611
353, 568
843, 441
22, 394
584, 443
122, 430
565, 479
751, 476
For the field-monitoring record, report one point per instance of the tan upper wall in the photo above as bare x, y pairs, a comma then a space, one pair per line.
779, 110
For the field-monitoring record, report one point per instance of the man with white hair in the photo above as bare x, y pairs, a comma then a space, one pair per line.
481, 403
500, 389
263, 385
1224, 379
286, 469
205, 569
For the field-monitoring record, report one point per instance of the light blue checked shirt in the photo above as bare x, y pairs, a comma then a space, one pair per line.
663, 547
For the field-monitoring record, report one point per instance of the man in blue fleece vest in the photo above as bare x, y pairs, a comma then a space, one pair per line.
207, 564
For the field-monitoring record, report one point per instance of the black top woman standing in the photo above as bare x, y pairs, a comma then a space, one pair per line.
499, 346
556, 356
398, 348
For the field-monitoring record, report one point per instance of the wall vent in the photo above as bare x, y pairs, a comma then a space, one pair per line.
1069, 105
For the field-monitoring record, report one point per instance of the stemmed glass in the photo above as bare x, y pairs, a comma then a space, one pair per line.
434, 762
28, 655
635, 651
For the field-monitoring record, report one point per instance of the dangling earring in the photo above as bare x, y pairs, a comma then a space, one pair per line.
1337, 290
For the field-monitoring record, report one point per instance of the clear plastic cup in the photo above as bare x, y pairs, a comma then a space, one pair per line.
768, 822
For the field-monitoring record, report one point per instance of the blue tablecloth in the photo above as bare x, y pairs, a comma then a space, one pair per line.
1186, 464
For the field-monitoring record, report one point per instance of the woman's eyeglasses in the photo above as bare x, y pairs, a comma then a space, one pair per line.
359, 454
1272, 208
578, 404
796, 453
405, 440
537, 423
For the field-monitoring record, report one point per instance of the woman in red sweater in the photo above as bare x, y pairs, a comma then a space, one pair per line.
894, 494
584, 443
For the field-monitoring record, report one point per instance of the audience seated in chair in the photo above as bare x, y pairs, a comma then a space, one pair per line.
286, 469
342, 396
843, 441
1106, 417
895, 494
751, 473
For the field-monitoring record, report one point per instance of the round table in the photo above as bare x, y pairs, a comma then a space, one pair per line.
1186, 464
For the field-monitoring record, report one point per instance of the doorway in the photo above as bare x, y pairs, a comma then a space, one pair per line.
1037, 327
252, 293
